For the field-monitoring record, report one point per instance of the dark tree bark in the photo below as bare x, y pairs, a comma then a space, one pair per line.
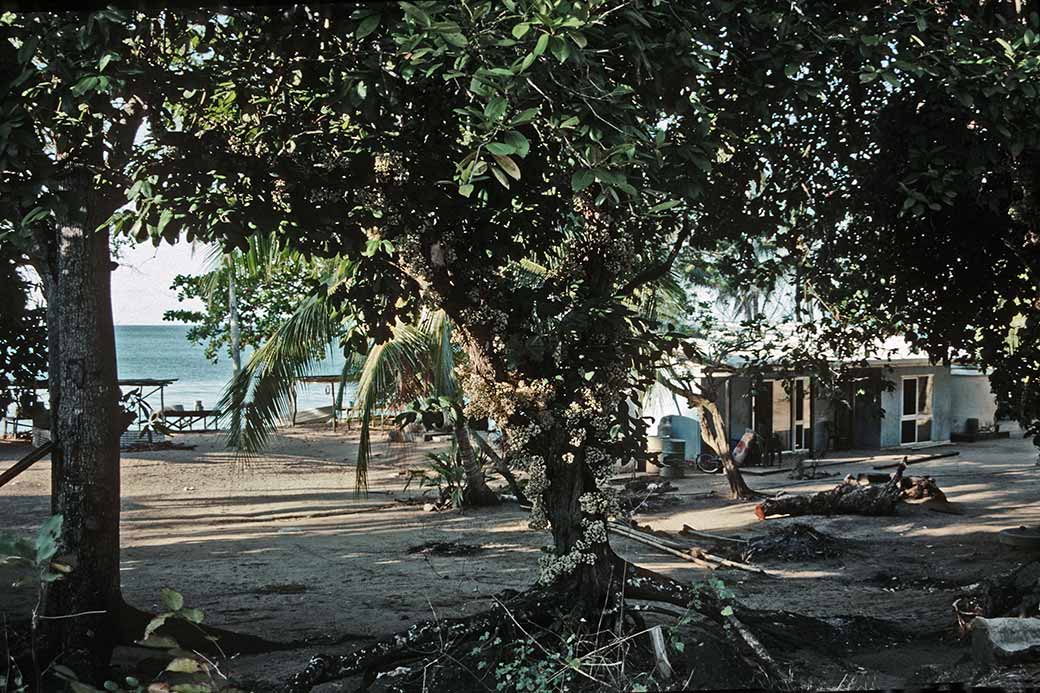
594, 587
85, 429
714, 432
501, 466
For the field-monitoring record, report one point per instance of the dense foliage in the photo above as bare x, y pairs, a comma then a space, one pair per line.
264, 301
23, 333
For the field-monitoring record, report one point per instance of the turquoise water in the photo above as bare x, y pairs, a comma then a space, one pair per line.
163, 352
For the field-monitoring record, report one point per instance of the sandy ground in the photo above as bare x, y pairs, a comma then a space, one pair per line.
280, 546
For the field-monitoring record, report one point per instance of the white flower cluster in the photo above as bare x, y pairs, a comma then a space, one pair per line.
537, 485
552, 568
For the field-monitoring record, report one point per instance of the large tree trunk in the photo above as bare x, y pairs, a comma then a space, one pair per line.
477, 491
85, 428
714, 431
593, 586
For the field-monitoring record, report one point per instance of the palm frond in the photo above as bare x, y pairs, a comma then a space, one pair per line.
273, 372
436, 326
390, 370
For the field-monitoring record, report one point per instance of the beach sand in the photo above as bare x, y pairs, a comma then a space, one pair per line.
280, 547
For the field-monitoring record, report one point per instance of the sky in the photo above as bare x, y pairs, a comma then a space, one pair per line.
141, 290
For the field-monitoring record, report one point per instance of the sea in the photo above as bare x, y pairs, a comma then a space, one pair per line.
164, 352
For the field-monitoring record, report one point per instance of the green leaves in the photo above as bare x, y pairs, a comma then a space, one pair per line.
507, 165
581, 180
106, 59
520, 30
416, 14
525, 116
367, 25
664, 206
495, 108
47, 539
171, 599
518, 142
515, 143
501, 149
540, 45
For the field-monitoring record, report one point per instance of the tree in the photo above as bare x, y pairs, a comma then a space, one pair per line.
268, 283
543, 137
76, 90
596, 140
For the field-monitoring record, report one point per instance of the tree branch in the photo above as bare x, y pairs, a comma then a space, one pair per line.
657, 271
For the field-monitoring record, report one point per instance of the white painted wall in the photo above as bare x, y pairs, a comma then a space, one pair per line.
971, 398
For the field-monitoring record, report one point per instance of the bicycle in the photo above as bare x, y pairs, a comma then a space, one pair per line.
708, 462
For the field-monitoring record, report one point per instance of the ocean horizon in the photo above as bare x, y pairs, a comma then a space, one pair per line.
163, 352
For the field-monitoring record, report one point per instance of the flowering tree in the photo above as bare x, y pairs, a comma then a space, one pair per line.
578, 137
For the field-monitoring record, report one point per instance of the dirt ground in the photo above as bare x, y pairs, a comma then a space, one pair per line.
280, 547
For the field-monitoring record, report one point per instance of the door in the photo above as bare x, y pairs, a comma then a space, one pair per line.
801, 424
915, 425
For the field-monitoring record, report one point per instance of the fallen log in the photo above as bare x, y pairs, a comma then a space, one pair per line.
688, 530
919, 487
913, 487
918, 460
29, 460
660, 546
847, 498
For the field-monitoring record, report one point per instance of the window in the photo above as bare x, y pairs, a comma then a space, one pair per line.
916, 421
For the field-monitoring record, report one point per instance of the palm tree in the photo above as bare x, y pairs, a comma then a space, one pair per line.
256, 261
418, 360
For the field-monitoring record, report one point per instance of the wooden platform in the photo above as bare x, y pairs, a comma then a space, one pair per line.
186, 420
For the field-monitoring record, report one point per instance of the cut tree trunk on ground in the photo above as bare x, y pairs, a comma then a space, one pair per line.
847, 498
1013, 594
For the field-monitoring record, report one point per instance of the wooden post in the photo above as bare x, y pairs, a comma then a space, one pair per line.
333, 405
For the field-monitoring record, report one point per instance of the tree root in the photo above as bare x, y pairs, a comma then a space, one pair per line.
423, 640
468, 649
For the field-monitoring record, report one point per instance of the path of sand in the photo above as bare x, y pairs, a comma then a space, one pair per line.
280, 547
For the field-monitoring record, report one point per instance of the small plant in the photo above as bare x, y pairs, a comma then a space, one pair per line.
444, 472
187, 672
532, 668
36, 558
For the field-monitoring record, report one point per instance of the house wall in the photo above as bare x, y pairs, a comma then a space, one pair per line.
740, 408
892, 402
971, 398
